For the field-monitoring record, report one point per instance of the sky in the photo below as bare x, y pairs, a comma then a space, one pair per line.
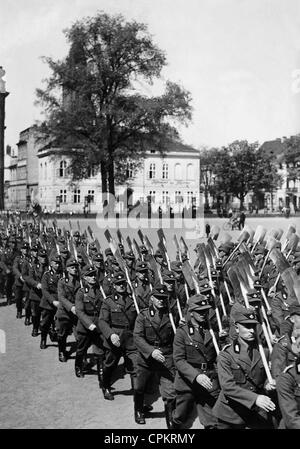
240, 60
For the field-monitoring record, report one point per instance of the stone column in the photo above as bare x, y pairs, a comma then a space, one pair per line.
3, 95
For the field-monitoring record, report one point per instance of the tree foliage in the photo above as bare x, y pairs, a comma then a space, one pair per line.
240, 168
94, 112
292, 156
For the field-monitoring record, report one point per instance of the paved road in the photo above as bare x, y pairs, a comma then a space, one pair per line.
39, 392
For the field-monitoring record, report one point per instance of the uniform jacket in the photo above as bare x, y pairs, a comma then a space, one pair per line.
282, 356
288, 391
49, 287
142, 293
193, 355
18, 270
241, 381
153, 331
33, 278
25, 272
88, 304
280, 308
66, 293
7, 259
118, 315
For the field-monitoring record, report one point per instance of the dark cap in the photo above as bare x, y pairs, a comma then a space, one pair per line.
168, 276
98, 257
260, 249
241, 314
176, 266
34, 248
204, 286
198, 303
119, 278
129, 255
89, 271
64, 250
160, 292
55, 258
120, 245
158, 253
61, 240
72, 262
108, 252
143, 249
25, 245
76, 234
294, 309
141, 266
42, 253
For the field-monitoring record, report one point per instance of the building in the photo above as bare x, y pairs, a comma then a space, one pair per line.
172, 180
23, 172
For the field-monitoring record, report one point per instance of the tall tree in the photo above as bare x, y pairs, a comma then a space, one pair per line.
292, 157
94, 111
243, 168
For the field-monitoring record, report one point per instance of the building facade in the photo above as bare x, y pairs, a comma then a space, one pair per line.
23, 172
171, 180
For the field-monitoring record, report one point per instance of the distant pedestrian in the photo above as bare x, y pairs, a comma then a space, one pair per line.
242, 219
207, 230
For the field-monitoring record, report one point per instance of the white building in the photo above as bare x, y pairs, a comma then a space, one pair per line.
172, 180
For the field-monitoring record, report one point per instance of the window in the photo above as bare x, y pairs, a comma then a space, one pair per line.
62, 169
178, 197
189, 197
92, 171
76, 197
178, 171
152, 196
129, 170
165, 171
91, 194
165, 198
151, 174
63, 196
190, 172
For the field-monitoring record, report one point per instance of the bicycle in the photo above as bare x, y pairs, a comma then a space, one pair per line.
231, 224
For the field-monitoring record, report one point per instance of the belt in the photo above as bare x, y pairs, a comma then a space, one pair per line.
118, 326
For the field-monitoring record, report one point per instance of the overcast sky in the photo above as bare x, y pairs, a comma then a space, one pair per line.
236, 57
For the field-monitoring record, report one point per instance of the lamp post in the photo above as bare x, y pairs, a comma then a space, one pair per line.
3, 95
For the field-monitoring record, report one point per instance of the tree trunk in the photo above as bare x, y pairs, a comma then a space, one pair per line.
242, 202
104, 184
111, 184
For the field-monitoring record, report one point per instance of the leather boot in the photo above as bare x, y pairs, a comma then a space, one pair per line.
43, 340
139, 408
35, 330
62, 350
27, 317
78, 366
106, 385
107, 394
169, 408
100, 368
53, 335
19, 315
